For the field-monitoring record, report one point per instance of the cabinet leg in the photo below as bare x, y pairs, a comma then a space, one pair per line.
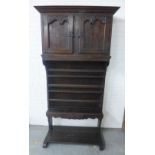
101, 140
99, 122
50, 123
102, 145
45, 143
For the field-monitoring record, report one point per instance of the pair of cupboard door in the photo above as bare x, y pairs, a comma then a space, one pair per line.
76, 33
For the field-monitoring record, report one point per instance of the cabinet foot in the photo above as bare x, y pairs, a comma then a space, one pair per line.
45, 144
102, 146
102, 142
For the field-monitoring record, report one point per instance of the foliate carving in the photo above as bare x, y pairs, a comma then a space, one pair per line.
63, 20
75, 115
93, 19
60, 19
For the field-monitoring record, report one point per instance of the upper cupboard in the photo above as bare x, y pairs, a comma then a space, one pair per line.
76, 33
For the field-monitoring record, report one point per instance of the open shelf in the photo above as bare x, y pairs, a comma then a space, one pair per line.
70, 100
74, 91
78, 70
75, 86
76, 76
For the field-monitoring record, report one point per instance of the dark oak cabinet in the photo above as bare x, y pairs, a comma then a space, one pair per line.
75, 52
76, 33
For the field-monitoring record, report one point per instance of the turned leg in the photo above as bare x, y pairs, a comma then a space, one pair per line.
50, 123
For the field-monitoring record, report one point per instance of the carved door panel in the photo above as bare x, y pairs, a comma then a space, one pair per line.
58, 33
94, 33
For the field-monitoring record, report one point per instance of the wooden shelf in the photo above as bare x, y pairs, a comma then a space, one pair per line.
76, 76
75, 91
68, 134
75, 86
69, 100
78, 70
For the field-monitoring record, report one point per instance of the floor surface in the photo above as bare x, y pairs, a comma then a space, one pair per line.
114, 139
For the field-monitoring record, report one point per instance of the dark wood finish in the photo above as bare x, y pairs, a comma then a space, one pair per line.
74, 115
68, 134
93, 33
57, 33
75, 57
76, 53
77, 9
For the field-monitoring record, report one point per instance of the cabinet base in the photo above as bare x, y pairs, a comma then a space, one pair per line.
81, 135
